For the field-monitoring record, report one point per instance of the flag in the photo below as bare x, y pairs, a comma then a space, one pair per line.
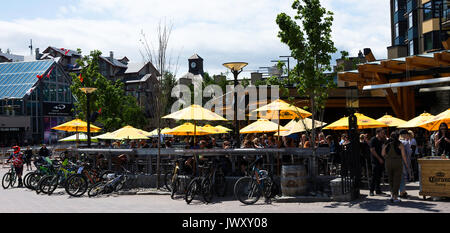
67, 52
48, 75
80, 77
31, 90
39, 76
95, 115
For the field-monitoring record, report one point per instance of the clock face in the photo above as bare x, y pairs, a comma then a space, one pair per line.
193, 64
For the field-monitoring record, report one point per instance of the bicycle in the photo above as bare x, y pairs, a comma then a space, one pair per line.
174, 179
49, 183
10, 178
113, 185
77, 184
198, 185
213, 182
43, 168
248, 189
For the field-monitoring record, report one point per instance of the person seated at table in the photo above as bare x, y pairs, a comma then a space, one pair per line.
442, 141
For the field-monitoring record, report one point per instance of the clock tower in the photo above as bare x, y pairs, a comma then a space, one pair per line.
195, 65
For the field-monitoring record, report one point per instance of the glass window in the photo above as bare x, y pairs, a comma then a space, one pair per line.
396, 32
61, 93
52, 92
410, 20
411, 48
437, 4
427, 12
428, 41
46, 91
395, 5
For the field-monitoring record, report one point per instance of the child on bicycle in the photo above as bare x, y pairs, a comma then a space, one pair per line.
17, 160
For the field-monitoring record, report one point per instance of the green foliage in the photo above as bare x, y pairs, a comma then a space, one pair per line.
311, 45
117, 109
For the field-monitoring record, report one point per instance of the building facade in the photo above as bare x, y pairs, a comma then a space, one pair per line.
418, 26
34, 97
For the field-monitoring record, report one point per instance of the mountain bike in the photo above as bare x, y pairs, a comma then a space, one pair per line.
213, 182
113, 185
77, 184
248, 189
49, 183
195, 185
10, 178
174, 180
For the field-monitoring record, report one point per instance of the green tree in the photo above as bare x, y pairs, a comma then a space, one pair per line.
311, 45
117, 109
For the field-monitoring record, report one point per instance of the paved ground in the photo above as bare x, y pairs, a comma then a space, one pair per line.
25, 201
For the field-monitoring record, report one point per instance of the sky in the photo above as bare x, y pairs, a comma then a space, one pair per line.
218, 31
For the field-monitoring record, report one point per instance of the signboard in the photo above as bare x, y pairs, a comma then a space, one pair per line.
435, 177
55, 109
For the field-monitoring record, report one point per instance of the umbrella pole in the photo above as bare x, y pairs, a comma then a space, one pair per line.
278, 154
195, 132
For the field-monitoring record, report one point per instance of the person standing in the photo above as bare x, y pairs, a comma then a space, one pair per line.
44, 152
442, 141
394, 153
404, 139
28, 156
377, 161
17, 160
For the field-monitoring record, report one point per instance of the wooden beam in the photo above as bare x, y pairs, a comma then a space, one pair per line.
380, 69
391, 96
412, 64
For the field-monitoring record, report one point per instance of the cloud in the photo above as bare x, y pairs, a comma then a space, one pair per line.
219, 31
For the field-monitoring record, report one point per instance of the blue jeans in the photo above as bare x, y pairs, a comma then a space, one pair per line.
404, 179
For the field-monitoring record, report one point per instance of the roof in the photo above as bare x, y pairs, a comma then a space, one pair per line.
114, 62
12, 57
134, 67
63, 51
17, 78
143, 79
195, 56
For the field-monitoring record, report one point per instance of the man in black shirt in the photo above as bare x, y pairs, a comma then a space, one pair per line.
44, 152
377, 160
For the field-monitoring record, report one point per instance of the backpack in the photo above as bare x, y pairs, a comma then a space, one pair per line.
17, 160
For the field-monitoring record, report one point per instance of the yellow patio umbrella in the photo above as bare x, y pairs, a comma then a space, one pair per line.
76, 125
391, 121
364, 122
433, 123
195, 113
213, 129
155, 132
280, 109
223, 128
128, 132
301, 126
188, 129
417, 121
263, 126
103, 136
75, 137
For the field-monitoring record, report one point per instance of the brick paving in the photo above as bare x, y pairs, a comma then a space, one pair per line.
23, 200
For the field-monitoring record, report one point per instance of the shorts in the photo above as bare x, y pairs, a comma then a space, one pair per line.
19, 170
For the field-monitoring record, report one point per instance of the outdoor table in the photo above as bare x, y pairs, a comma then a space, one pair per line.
434, 177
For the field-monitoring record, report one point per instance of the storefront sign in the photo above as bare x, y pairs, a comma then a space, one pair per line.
10, 129
53, 109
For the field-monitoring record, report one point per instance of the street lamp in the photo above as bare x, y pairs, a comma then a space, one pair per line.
88, 91
236, 69
353, 156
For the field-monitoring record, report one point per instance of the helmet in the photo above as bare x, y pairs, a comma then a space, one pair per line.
16, 149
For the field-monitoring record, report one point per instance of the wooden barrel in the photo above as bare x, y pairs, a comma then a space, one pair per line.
293, 180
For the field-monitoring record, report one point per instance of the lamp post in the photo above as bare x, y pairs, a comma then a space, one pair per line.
236, 69
88, 91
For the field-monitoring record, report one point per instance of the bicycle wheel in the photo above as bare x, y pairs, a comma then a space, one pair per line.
76, 185
267, 189
25, 179
192, 189
174, 186
6, 180
207, 190
96, 189
168, 180
246, 190
33, 180
48, 184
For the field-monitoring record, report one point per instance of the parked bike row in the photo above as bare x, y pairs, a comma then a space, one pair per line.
75, 178
81, 177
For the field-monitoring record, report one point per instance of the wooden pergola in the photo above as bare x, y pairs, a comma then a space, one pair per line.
413, 68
